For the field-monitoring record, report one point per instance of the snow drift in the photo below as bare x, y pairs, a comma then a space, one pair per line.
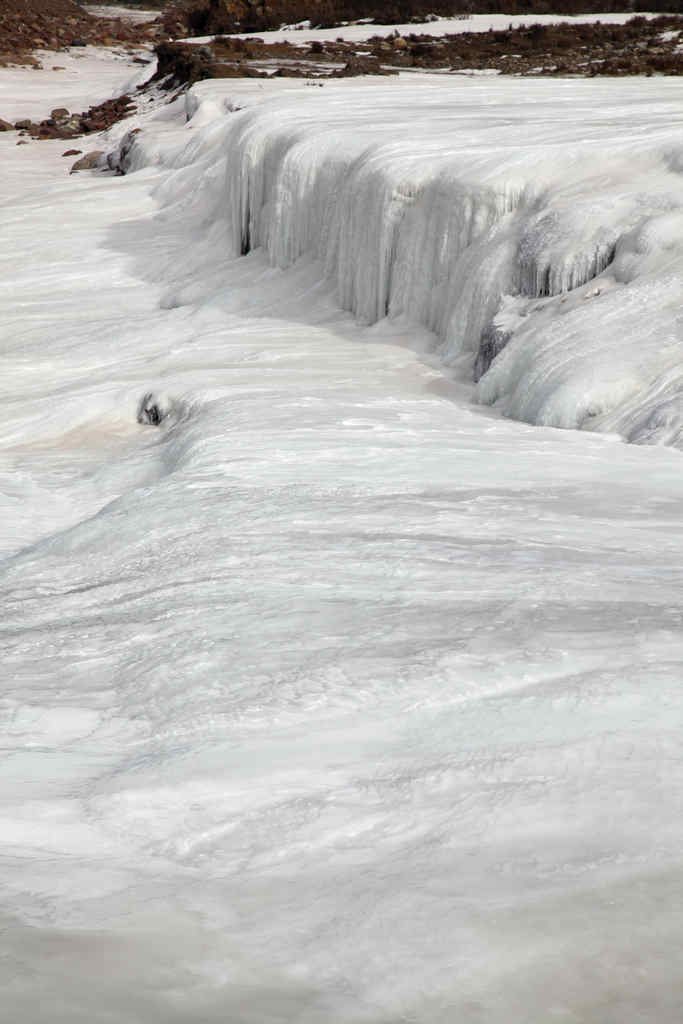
538, 218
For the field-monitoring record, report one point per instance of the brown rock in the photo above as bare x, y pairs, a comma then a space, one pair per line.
59, 114
88, 161
25, 123
5, 126
72, 152
22, 142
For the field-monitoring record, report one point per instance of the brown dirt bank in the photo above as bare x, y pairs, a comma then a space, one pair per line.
640, 47
204, 17
28, 25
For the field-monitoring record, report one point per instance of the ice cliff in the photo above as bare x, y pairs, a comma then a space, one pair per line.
533, 226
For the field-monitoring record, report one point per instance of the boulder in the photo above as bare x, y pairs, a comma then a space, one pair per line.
25, 123
59, 114
88, 161
5, 126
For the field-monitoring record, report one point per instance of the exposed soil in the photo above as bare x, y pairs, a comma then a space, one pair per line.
205, 17
640, 47
28, 25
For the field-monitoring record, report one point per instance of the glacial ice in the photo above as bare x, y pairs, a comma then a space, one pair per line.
517, 215
340, 698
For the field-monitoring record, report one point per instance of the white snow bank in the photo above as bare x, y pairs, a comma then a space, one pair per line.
441, 26
84, 77
541, 214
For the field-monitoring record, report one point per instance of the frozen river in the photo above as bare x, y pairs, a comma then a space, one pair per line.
340, 697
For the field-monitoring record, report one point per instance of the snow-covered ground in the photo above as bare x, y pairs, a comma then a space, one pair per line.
337, 697
76, 79
441, 26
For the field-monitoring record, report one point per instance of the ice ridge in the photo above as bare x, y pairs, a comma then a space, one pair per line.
435, 207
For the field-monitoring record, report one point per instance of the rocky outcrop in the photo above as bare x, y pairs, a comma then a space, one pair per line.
202, 17
638, 47
63, 125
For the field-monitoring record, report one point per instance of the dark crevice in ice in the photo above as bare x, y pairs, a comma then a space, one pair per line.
245, 239
493, 340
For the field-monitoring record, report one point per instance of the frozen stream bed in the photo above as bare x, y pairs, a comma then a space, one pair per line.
339, 697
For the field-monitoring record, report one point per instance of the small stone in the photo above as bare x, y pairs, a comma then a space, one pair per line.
22, 142
72, 152
88, 161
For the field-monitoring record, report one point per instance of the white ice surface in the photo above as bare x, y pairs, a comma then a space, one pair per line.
337, 698
442, 26
549, 210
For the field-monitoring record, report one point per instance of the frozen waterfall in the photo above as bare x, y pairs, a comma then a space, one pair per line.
520, 215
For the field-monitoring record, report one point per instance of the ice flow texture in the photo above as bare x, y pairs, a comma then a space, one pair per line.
515, 216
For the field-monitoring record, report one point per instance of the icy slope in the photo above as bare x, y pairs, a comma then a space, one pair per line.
541, 216
335, 699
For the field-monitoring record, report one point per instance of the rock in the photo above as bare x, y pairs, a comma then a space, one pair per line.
78, 42
25, 123
400, 43
5, 126
22, 142
88, 161
153, 408
59, 114
492, 341
72, 152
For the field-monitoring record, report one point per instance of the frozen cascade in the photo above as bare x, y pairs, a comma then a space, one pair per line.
435, 207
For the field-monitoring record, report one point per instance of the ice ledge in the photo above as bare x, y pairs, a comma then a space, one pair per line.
532, 225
